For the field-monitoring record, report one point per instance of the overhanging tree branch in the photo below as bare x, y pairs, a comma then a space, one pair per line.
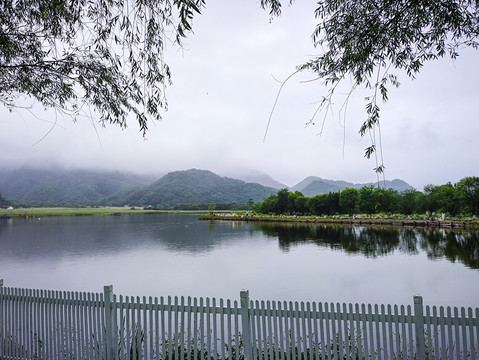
359, 38
108, 54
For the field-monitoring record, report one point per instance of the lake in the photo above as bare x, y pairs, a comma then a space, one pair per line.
176, 254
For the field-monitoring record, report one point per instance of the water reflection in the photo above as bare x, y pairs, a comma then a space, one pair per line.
374, 242
179, 255
455, 246
52, 238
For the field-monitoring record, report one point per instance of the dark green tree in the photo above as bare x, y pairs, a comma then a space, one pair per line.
387, 200
421, 203
468, 194
103, 53
367, 200
267, 206
442, 198
282, 204
347, 201
449, 199
296, 203
332, 203
324, 204
317, 204
432, 198
408, 202
300, 203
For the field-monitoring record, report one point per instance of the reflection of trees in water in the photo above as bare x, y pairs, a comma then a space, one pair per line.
379, 241
455, 246
369, 241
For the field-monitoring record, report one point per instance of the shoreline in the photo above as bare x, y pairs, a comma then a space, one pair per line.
366, 221
100, 211
466, 224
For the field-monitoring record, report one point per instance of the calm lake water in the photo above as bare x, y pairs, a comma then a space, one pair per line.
160, 255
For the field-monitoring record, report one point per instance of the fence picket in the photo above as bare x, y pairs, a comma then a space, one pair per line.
156, 334
176, 334
202, 327
223, 340
237, 331
392, 321
215, 330
151, 328
449, 330
281, 339
427, 331
463, 332
255, 333
272, 333
296, 337
170, 329
229, 343
182, 322
471, 334
195, 336
208, 327
310, 331
377, 320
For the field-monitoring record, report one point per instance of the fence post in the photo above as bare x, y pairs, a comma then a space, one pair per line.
419, 327
245, 323
109, 335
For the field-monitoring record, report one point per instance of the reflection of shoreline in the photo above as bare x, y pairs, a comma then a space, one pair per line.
376, 241
57, 237
363, 221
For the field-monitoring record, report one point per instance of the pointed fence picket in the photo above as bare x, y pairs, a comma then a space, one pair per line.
43, 324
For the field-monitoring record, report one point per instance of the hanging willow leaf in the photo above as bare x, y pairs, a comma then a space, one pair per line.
104, 53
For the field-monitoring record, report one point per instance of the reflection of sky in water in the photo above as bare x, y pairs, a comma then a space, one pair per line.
178, 255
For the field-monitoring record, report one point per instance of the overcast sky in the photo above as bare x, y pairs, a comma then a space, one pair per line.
223, 91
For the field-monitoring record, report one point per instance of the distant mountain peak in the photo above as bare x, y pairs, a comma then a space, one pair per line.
196, 186
258, 177
313, 185
77, 187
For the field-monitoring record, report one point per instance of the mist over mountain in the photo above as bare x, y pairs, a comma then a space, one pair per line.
258, 177
77, 188
4, 203
60, 187
313, 185
194, 187
178, 189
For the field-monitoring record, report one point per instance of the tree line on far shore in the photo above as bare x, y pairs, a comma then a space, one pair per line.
461, 198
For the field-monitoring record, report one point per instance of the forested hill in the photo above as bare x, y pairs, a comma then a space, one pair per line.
190, 187
313, 185
4, 202
59, 187
79, 188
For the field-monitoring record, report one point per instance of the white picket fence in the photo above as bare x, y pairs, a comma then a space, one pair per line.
40, 324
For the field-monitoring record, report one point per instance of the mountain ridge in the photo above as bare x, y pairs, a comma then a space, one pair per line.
313, 185
197, 186
77, 188
54, 187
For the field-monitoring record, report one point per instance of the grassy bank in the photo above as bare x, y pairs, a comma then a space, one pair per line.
467, 224
100, 211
